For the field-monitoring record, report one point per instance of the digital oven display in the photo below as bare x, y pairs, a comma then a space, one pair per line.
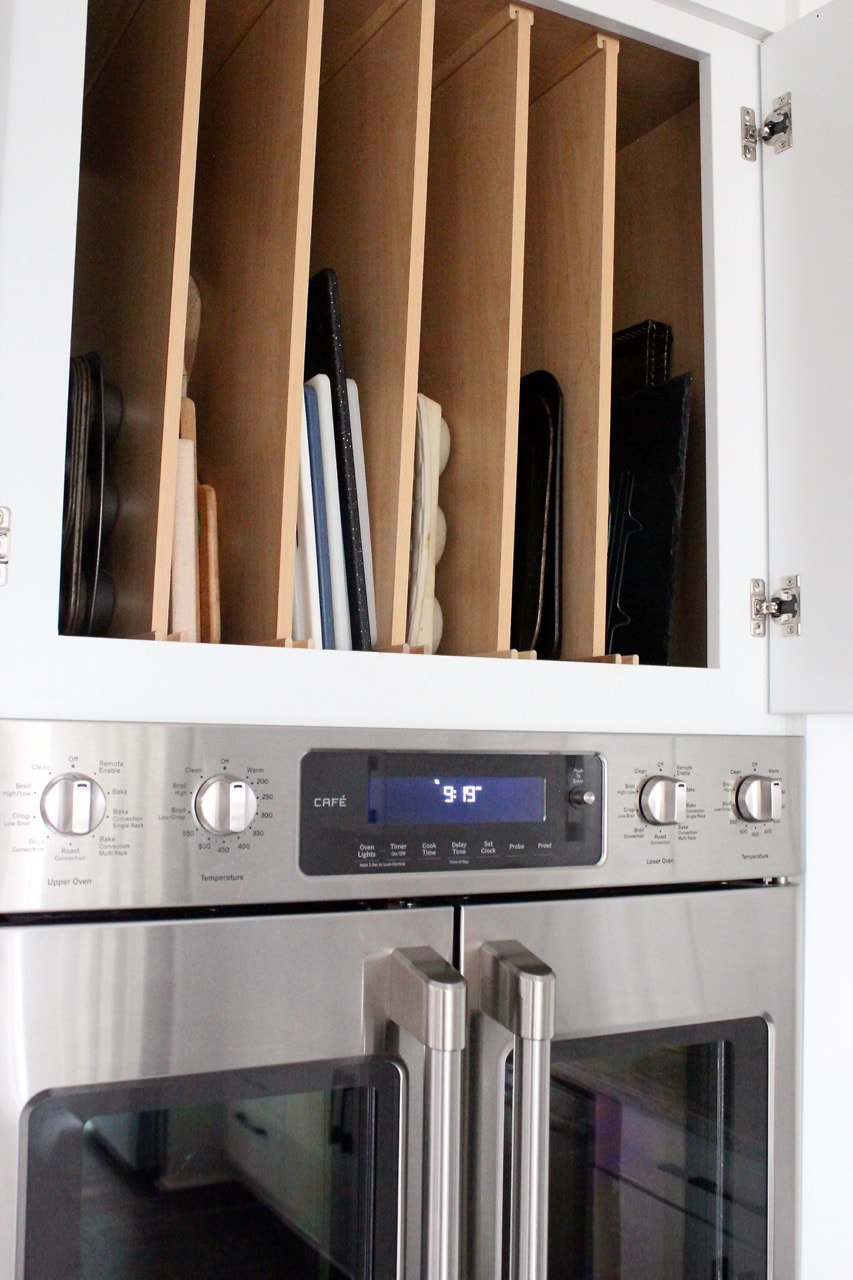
399, 800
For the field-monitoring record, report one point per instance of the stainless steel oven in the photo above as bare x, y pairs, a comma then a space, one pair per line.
378, 1004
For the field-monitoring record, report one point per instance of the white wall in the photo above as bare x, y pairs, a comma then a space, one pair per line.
828, 1038
828, 1025
755, 17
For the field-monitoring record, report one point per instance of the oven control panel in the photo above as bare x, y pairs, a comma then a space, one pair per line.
427, 811
132, 816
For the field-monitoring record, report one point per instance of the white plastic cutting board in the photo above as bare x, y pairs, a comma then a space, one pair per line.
808, 210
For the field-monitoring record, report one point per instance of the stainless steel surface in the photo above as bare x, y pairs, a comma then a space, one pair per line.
90, 1004
663, 801
517, 990
759, 799
442, 1215
151, 851
531, 1110
428, 998
640, 962
85, 1004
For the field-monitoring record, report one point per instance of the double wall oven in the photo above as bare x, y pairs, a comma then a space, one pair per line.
377, 1004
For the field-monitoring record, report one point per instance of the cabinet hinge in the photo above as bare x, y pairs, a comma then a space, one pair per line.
776, 131
783, 608
5, 525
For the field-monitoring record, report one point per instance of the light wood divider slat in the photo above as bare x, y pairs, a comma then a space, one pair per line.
130, 286
471, 343
568, 314
250, 259
369, 215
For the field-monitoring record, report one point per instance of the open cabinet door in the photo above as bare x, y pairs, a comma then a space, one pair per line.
808, 196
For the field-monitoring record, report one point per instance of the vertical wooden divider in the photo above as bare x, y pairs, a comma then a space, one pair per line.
568, 312
251, 243
369, 215
471, 339
138, 153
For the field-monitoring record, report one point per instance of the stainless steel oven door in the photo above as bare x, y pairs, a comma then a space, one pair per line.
634, 1086
231, 1097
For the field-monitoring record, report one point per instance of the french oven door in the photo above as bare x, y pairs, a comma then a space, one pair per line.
633, 1087
231, 1099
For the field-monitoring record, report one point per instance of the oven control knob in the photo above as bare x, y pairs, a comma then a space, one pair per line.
225, 805
663, 801
758, 799
73, 804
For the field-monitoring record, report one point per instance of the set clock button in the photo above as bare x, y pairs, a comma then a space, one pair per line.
73, 804
225, 805
663, 801
758, 799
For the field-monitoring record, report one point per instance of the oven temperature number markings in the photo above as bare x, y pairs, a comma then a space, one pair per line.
226, 805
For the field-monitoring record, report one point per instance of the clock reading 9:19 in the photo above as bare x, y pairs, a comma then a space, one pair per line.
401, 800
450, 792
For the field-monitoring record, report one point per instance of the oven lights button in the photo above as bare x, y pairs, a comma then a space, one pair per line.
663, 801
758, 799
225, 805
73, 804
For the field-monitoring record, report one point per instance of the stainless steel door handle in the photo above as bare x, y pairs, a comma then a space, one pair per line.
517, 990
428, 999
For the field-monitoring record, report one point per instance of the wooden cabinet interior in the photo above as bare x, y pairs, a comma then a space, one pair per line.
137, 162
568, 305
495, 196
251, 239
369, 209
470, 350
658, 274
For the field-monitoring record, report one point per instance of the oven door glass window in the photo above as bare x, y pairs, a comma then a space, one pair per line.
658, 1155
241, 1176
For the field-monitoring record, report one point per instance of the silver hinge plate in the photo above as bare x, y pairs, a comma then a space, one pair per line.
748, 134
776, 131
784, 607
5, 526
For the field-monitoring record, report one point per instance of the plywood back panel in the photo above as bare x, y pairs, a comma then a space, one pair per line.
369, 214
250, 259
568, 291
130, 284
471, 346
